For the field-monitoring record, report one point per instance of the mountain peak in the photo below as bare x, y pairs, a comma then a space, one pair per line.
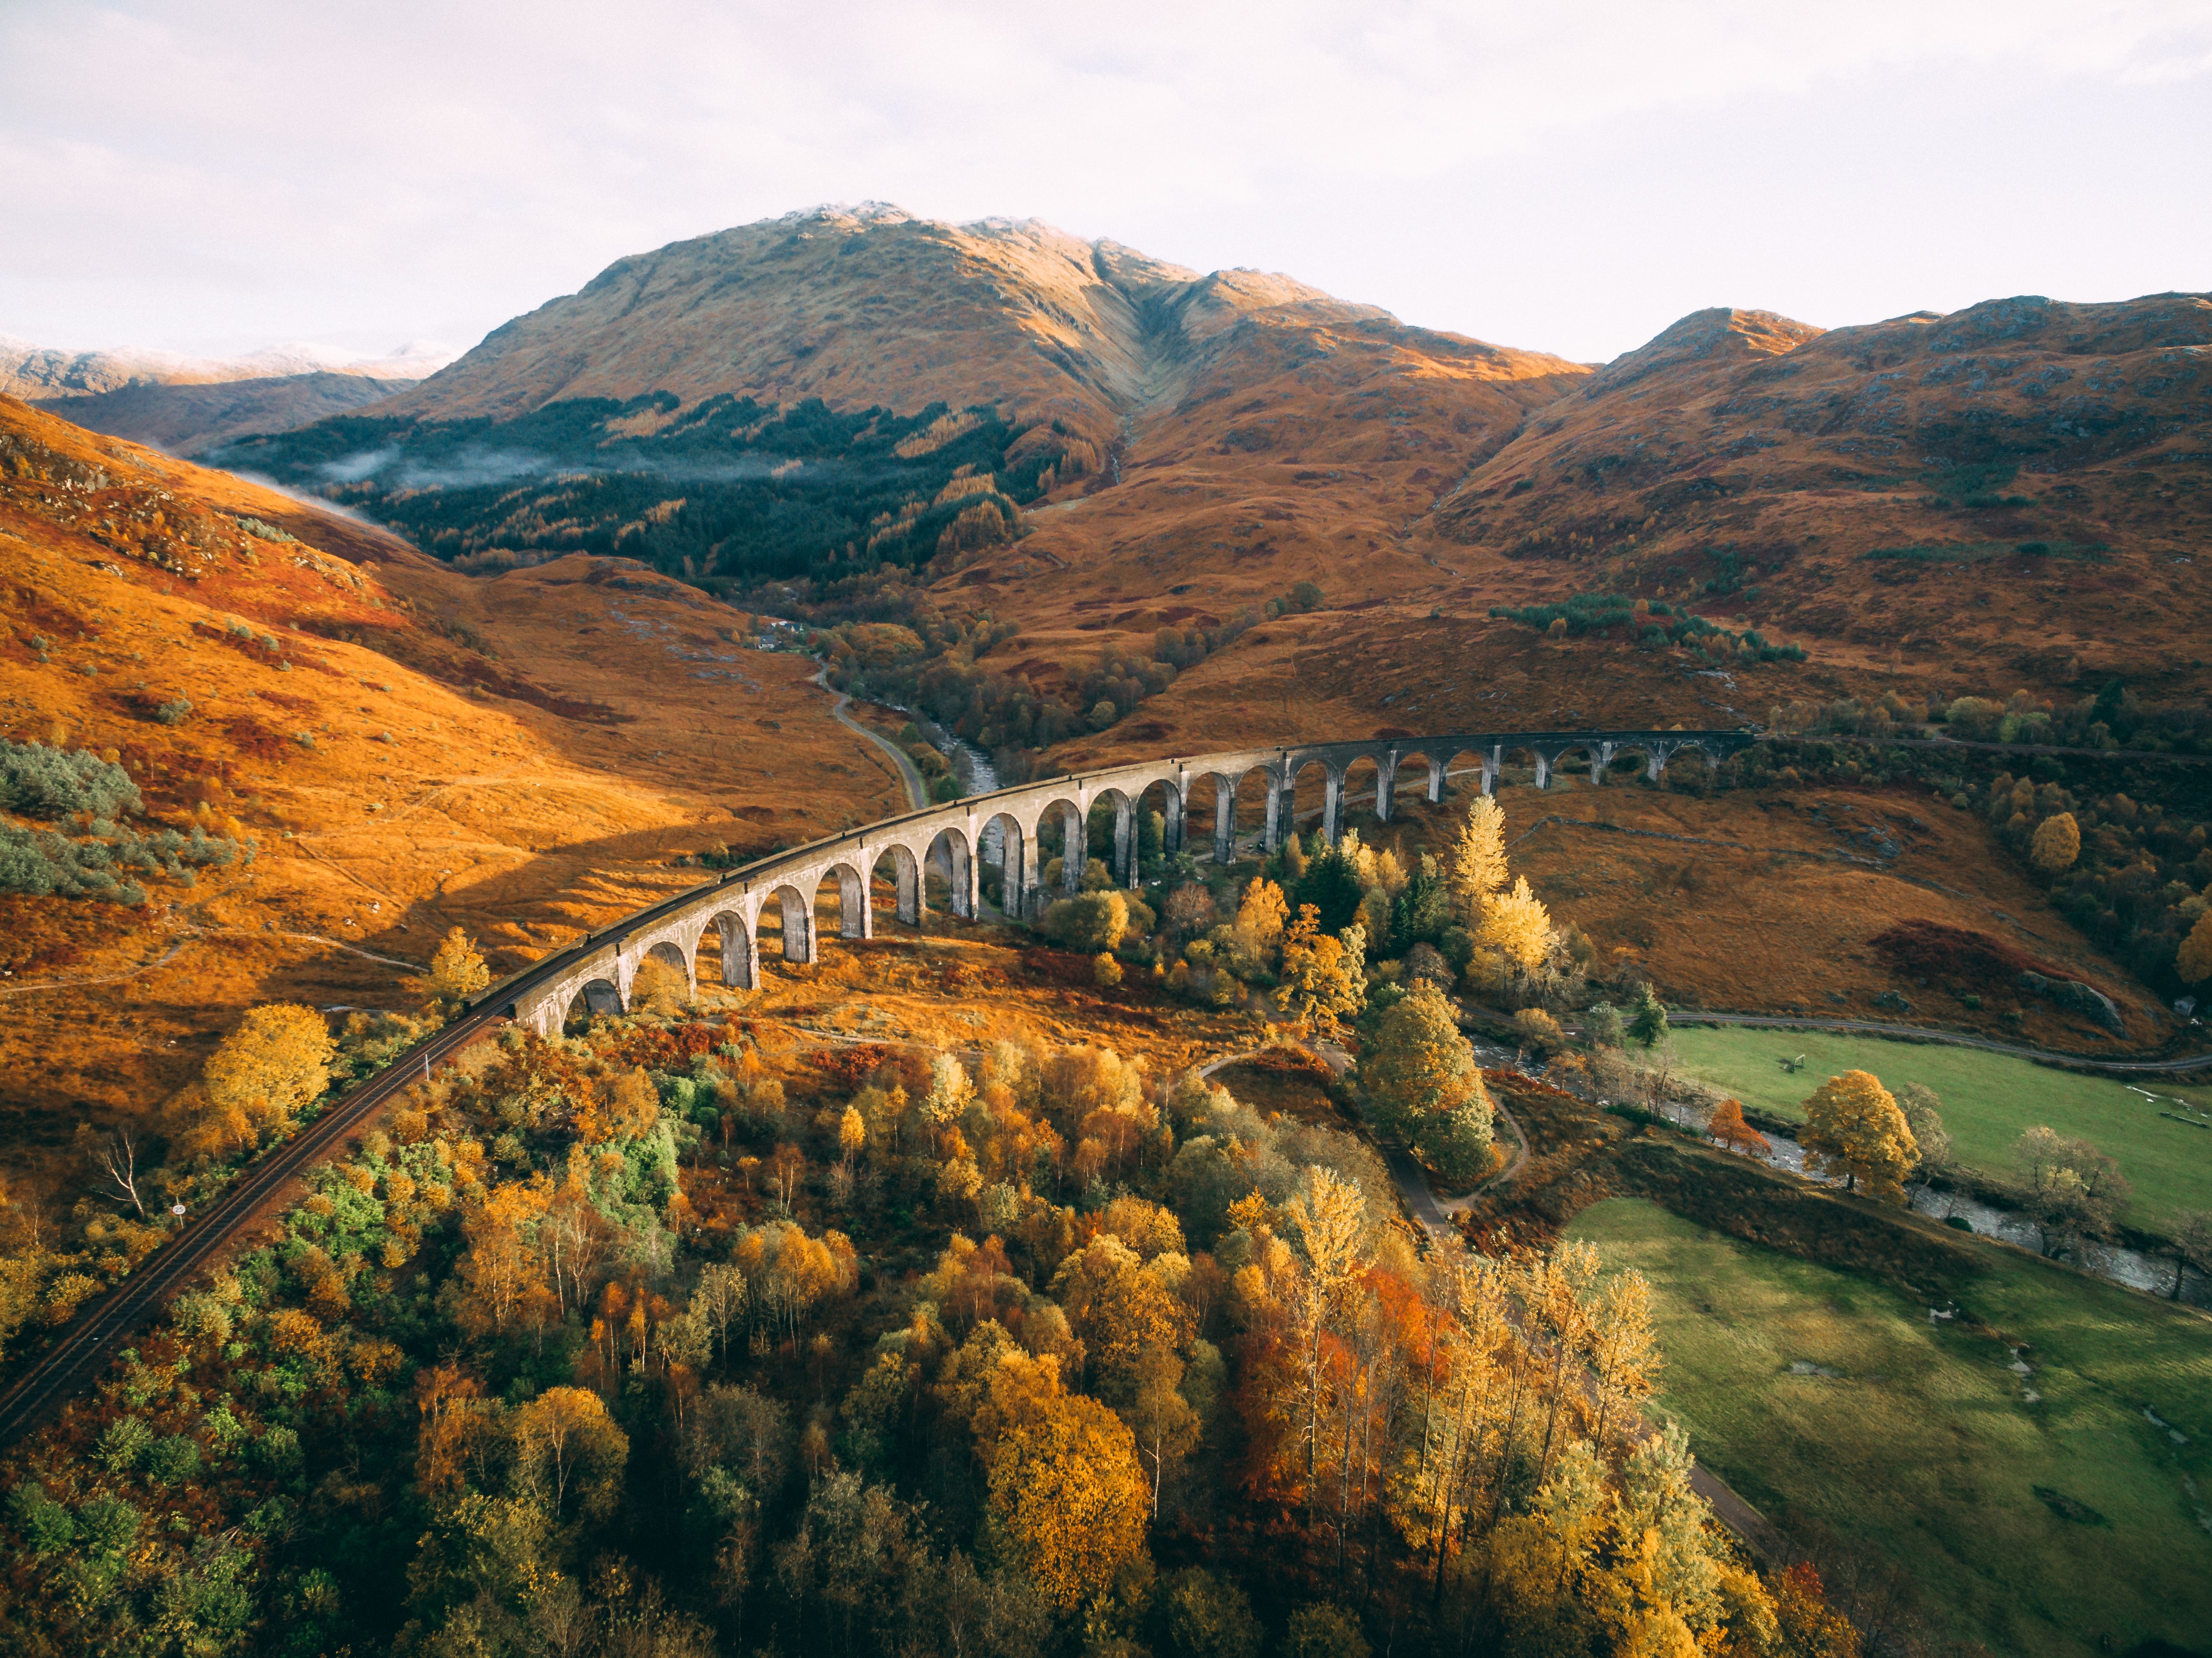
1719, 334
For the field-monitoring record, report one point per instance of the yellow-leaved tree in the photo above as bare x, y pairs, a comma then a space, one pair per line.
276, 1062
457, 971
567, 1446
1853, 1127
1068, 1493
2057, 843
1517, 925
1324, 979
2194, 960
1476, 869
1426, 1088
1261, 918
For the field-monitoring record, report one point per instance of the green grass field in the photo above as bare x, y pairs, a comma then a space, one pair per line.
1988, 1099
1926, 1445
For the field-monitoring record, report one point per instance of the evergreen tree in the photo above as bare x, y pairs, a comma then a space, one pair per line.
1647, 1021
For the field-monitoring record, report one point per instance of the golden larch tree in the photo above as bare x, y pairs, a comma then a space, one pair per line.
457, 971
1476, 869
565, 1439
1260, 918
1324, 979
1517, 925
1853, 1127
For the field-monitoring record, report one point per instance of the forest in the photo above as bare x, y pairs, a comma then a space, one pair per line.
666, 1335
727, 493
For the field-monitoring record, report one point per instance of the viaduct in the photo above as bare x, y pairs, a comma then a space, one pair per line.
600, 967
950, 839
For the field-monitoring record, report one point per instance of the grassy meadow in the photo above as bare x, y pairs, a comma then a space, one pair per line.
1988, 1099
1927, 1445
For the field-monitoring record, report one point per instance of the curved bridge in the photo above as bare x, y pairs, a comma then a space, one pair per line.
952, 839
601, 965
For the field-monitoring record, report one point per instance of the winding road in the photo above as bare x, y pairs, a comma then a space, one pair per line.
917, 790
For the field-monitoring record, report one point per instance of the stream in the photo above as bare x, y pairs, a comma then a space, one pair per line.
2152, 1274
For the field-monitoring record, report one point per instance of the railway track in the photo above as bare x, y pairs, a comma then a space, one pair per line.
69, 1369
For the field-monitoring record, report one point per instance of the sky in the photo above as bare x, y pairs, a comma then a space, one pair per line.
214, 176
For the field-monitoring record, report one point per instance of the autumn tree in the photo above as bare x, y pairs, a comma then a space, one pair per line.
1068, 1493
1423, 1081
1923, 1116
658, 989
1624, 1354
1731, 1132
1122, 1308
457, 971
564, 1439
2194, 960
2072, 1186
2057, 843
1089, 922
1517, 925
500, 1282
1323, 979
1853, 1128
275, 1064
1476, 867
1261, 917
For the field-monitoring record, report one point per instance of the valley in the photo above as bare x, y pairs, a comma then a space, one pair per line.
563, 1156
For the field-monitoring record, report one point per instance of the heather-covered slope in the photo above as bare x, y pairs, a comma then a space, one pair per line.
404, 748
2016, 493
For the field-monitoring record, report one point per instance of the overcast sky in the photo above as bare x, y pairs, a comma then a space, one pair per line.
224, 174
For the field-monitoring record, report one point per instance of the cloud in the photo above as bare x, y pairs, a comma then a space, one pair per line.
256, 170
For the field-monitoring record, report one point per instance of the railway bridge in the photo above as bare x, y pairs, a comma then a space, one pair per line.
724, 917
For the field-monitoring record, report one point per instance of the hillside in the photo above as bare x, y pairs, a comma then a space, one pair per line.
2014, 495
404, 748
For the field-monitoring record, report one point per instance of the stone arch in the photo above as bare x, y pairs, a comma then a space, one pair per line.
790, 912
591, 999
1593, 752
1060, 824
671, 954
908, 900
949, 855
1644, 755
1121, 847
724, 945
1160, 796
1515, 751
1210, 812
1415, 768
1309, 789
850, 895
1364, 788
1010, 850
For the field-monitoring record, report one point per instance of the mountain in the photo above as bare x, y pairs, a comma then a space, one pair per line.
183, 404
186, 417
850, 389
2018, 490
32, 372
1096, 447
